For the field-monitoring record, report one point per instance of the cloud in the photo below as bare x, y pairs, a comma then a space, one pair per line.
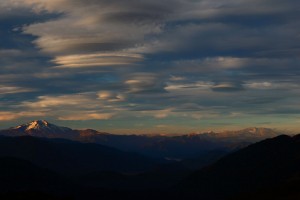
87, 116
83, 106
13, 90
177, 78
266, 85
95, 28
162, 114
8, 116
145, 83
227, 87
59, 101
209, 28
111, 96
201, 85
63, 103
94, 60
149, 60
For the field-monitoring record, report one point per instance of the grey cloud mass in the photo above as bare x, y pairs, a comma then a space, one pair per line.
161, 61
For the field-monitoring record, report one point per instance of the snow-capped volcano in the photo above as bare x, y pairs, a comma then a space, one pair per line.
38, 125
41, 126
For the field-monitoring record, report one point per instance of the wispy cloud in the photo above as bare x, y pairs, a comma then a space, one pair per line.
94, 60
4, 89
111, 96
7, 116
87, 116
145, 83
58, 101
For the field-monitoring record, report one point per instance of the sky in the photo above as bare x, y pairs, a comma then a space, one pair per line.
151, 66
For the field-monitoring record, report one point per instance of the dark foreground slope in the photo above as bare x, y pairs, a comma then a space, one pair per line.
264, 170
69, 157
21, 179
22, 175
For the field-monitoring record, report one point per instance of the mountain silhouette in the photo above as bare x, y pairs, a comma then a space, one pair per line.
254, 170
176, 147
21, 179
71, 157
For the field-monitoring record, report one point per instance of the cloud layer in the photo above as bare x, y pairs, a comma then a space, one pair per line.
156, 63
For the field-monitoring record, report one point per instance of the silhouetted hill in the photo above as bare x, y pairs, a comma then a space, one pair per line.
20, 178
268, 164
204, 159
162, 177
288, 190
269, 169
32, 195
73, 157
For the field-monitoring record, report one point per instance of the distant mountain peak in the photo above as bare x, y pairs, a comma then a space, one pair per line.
37, 124
42, 126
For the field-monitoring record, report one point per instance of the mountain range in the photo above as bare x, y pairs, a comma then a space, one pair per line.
37, 162
177, 147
